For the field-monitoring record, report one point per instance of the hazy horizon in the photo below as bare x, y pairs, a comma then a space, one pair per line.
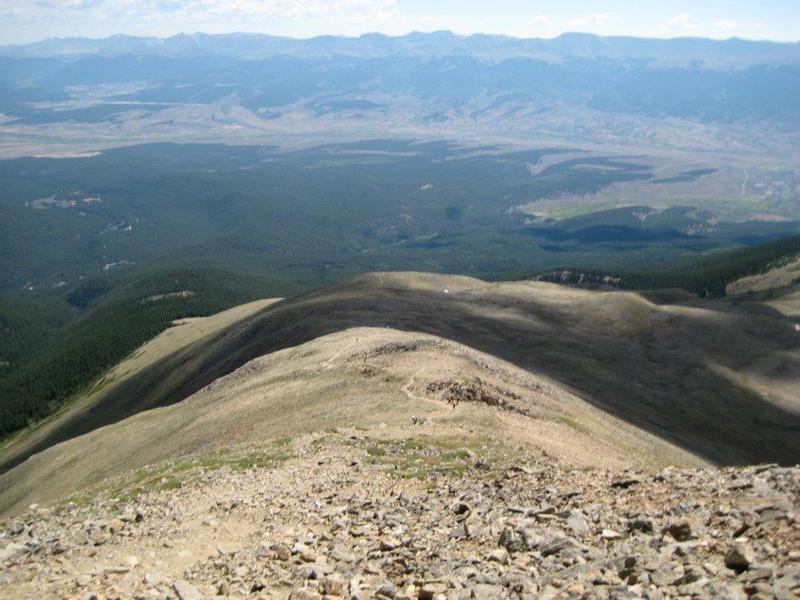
28, 21
400, 35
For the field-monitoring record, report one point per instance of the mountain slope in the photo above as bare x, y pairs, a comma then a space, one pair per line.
183, 333
780, 277
409, 514
615, 376
372, 378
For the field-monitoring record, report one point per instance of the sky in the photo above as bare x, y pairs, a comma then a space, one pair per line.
23, 21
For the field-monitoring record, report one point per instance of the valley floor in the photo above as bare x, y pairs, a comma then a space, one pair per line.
418, 510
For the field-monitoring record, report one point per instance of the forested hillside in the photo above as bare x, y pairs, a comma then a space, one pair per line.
110, 318
706, 277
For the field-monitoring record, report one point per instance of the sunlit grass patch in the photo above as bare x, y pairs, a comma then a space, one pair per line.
424, 457
176, 474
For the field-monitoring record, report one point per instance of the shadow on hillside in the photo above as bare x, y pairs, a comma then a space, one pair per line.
661, 378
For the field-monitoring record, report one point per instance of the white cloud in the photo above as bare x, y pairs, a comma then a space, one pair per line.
293, 9
596, 19
726, 24
540, 20
198, 10
730, 25
434, 22
372, 17
683, 21
27, 20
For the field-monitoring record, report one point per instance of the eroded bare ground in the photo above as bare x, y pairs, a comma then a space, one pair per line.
417, 510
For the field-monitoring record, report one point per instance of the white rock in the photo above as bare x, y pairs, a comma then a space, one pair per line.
186, 591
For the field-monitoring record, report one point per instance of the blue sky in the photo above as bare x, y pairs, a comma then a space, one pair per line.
28, 20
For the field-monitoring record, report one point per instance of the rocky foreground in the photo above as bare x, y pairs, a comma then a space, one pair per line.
346, 515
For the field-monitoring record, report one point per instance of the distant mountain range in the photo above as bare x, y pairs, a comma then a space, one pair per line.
617, 92
250, 46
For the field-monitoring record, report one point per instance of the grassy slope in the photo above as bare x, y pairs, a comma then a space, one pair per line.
647, 374
713, 378
368, 378
779, 277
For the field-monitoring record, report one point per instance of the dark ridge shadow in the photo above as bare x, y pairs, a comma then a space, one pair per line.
669, 296
771, 294
665, 375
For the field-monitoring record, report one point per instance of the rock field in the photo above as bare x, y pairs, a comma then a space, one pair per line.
382, 514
